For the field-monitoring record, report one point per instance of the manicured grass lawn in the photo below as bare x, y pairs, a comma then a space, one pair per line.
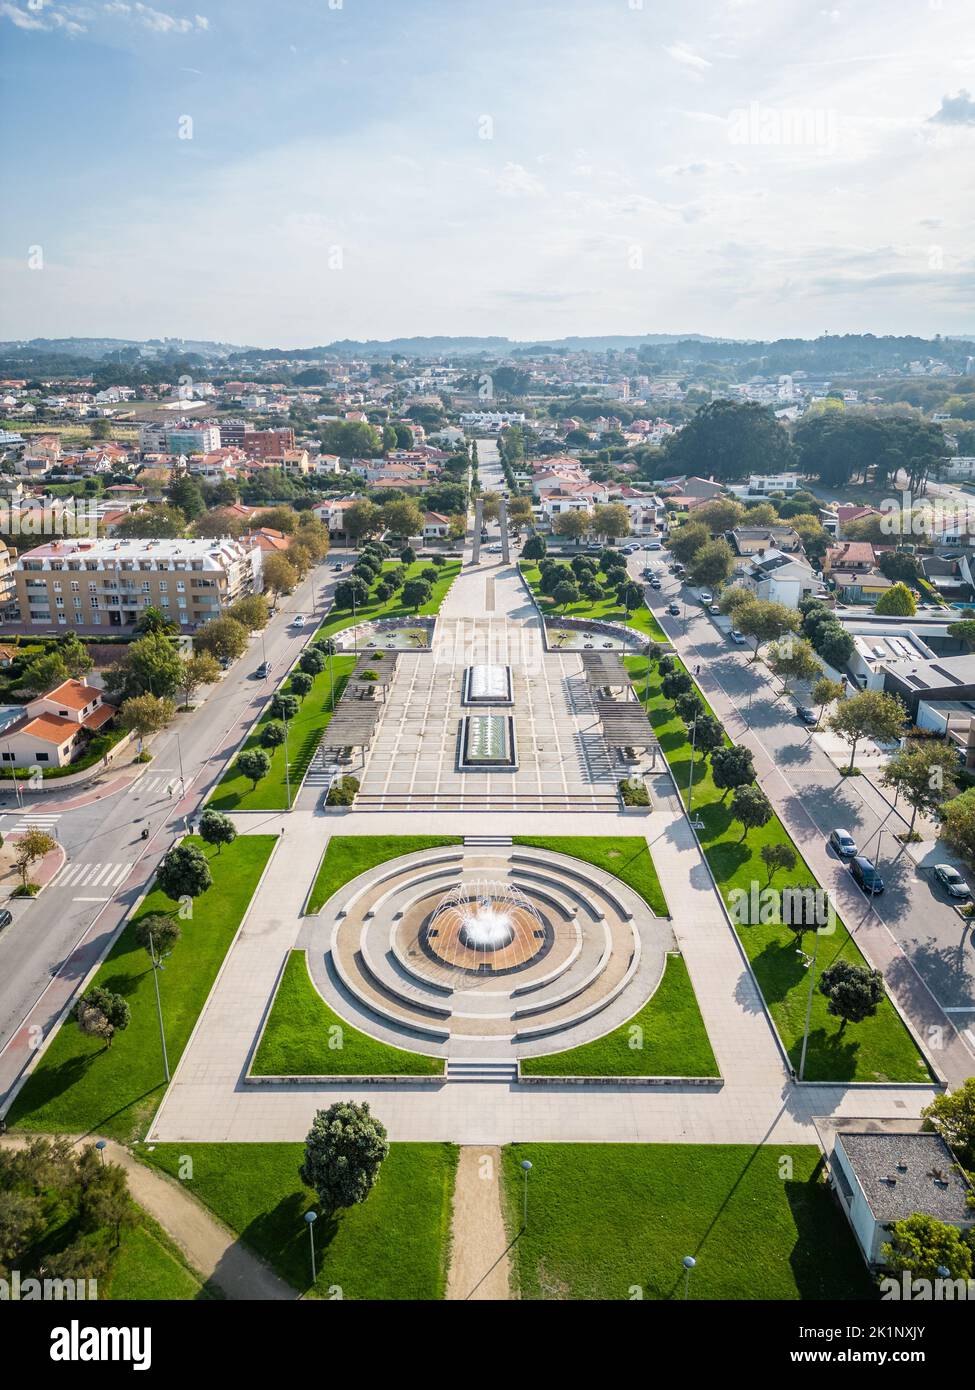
626, 856
394, 607
605, 609
605, 1220
880, 1048
149, 1266
347, 856
666, 1038
80, 1085
235, 792
392, 1246
304, 1037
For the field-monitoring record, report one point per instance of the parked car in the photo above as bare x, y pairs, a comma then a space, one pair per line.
952, 880
6, 917
707, 596
843, 842
674, 610
737, 637
263, 671
714, 610
807, 715
654, 545
338, 565
866, 875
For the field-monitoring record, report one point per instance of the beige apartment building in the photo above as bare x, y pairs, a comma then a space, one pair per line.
109, 583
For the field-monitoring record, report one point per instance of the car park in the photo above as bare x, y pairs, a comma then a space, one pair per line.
952, 881
843, 842
865, 873
807, 715
737, 637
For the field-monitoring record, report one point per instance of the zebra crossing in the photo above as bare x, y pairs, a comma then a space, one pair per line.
32, 821
91, 875
168, 782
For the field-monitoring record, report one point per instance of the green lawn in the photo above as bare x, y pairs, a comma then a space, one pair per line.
666, 1038
347, 856
340, 618
304, 1037
605, 609
626, 856
79, 1085
150, 1266
235, 792
614, 1221
393, 1246
880, 1048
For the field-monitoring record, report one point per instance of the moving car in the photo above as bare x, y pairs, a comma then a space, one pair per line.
655, 583
737, 637
338, 565
298, 620
843, 842
263, 671
674, 610
952, 880
6, 917
807, 715
865, 873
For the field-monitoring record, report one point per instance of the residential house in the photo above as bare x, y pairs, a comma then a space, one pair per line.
780, 578
435, 526
758, 540
850, 567
56, 726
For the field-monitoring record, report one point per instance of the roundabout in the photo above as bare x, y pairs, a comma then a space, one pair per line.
498, 953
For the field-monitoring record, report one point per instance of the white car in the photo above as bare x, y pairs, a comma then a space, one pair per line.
707, 596
737, 637
297, 620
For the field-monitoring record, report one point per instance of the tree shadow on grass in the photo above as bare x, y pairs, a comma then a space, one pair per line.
778, 968
280, 1236
829, 1056
825, 1260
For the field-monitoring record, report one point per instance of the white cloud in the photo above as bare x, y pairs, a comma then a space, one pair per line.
682, 54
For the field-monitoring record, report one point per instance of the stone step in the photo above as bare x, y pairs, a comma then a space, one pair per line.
481, 1069
483, 841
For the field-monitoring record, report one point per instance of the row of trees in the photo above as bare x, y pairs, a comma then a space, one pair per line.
566, 583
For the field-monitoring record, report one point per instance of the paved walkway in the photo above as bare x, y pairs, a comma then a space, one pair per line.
480, 1263
213, 1251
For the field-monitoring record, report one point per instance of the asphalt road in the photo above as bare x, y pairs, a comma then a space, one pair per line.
109, 864
914, 907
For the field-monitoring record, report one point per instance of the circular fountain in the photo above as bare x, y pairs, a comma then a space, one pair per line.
485, 926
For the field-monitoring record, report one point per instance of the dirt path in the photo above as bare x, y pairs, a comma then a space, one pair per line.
212, 1250
479, 1257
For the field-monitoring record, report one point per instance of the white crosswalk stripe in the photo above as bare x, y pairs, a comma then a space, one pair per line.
91, 875
38, 822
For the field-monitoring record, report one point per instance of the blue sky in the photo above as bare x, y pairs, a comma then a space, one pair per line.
376, 168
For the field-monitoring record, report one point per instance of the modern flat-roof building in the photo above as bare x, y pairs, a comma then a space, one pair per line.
109, 583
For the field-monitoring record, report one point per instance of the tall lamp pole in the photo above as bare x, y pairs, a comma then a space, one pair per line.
526, 1168
287, 769
689, 1263
311, 1217
690, 780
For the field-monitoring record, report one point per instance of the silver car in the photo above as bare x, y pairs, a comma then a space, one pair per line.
954, 885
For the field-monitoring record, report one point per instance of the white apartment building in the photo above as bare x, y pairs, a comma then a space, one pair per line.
760, 485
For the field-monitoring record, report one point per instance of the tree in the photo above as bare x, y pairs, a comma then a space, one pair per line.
958, 824
867, 714
184, 493
765, 621
776, 857
733, 599
408, 555
898, 602
853, 992
728, 440
712, 564
150, 665
152, 523
105, 1200
793, 659
74, 654
963, 632
751, 806
924, 1246
351, 593
402, 518
687, 540
280, 575
43, 674
953, 1117
251, 612
146, 715
311, 661
344, 1151
611, 520
200, 669
184, 872
217, 829
224, 639
416, 592
833, 643
689, 706
675, 683
535, 549
720, 514
157, 932
924, 774
710, 735
113, 1008
565, 592
284, 705
573, 525
826, 692
153, 619
361, 520
899, 566
732, 768
254, 763
272, 735
301, 682
629, 596
32, 845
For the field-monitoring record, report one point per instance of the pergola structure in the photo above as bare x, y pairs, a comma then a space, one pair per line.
383, 663
603, 670
352, 725
625, 724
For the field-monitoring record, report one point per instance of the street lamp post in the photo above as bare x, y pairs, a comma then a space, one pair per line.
690, 779
100, 1146
689, 1263
526, 1168
809, 999
157, 965
311, 1217
179, 754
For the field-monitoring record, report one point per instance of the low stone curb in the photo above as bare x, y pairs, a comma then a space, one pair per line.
347, 1079
714, 1083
